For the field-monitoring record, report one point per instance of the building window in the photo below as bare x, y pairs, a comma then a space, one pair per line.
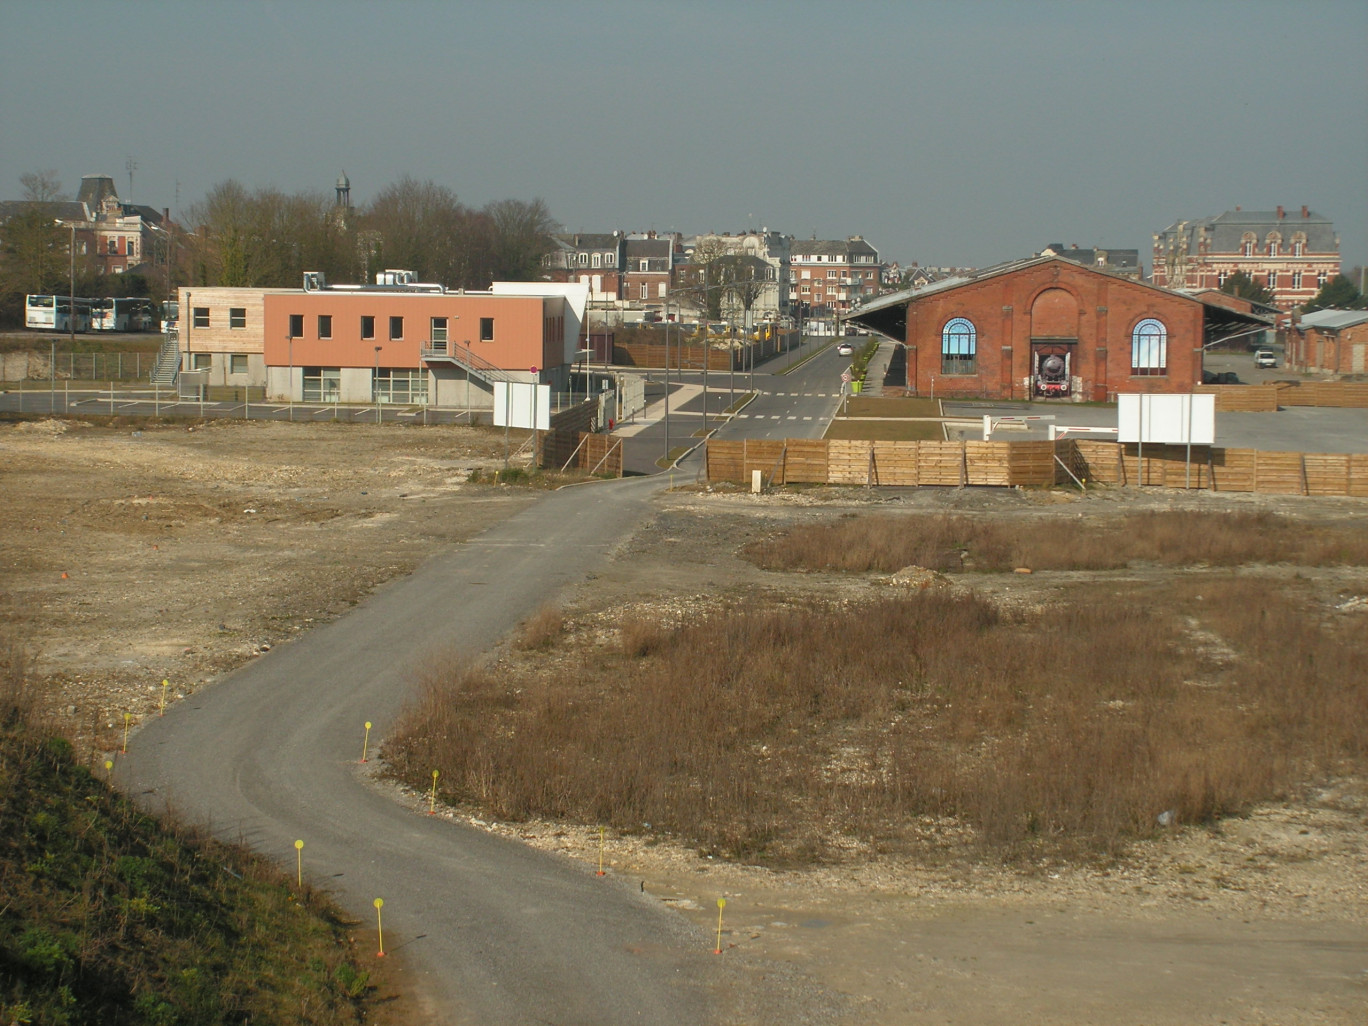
113, 247
367, 326
237, 363
1247, 244
132, 247
396, 328
1149, 348
201, 361
296, 325
486, 329
201, 317
1221, 279
609, 259
582, 259
959, 347
237, 317
660, 290
1321, 278
325, 325
1296, 279
401, 385
439, 329
597, 260
1272, 247
1272, 280
322, 384
1297, 248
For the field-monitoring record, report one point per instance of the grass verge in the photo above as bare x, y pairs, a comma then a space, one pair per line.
108, 916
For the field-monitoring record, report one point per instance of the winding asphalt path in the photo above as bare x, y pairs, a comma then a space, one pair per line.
499, 932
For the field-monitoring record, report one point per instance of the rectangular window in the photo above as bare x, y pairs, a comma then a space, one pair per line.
325, 325
113, 247
486, 329
296, 325
1272, 280
660, 290
439, 329
400, 385
201, 317
201, 362
1296, 279
597, 260
644, 290
322, 384
396, 328
609, 259
237, 317
367, 326
237, 363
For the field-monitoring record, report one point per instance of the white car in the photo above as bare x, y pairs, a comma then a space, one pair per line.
845, 349
1265, 358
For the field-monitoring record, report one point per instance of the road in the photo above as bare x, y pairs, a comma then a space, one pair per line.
793, 395
497, 932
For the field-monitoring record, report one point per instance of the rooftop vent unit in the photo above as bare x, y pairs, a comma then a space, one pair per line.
390, 276
314, 281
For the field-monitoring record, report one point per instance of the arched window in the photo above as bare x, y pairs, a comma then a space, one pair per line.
1149, 348
959, 347
1247, 244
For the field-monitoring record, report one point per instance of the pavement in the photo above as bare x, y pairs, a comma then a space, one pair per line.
493, 931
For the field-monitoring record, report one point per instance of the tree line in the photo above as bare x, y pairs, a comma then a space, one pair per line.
266, 238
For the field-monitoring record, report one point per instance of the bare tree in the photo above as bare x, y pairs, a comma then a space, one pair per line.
522, 236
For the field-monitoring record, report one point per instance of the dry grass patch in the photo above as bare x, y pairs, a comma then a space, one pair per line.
799, 732
1181, 538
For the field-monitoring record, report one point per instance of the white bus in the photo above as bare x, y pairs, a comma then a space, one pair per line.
121, 314
53, 313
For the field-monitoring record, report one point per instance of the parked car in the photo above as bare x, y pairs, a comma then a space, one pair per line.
1265, 358
845, 349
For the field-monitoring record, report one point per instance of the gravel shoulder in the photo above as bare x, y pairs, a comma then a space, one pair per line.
137, 555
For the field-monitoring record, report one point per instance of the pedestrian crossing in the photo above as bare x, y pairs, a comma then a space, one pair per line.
773, 416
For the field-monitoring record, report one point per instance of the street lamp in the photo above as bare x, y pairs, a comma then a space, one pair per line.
289, 382
375, 384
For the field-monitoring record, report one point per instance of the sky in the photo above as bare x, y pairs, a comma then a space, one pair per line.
956, 133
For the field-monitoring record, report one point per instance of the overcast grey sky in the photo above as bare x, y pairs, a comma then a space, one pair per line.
962, 132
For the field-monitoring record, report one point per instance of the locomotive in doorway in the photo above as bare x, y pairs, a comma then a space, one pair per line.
1052, 370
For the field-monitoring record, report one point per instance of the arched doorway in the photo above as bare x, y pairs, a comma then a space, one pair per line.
1054, 341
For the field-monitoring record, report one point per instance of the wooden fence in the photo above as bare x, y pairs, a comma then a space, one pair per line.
1267, 398
1034, 464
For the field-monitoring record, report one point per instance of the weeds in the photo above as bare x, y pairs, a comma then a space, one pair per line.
773, 732
888, 544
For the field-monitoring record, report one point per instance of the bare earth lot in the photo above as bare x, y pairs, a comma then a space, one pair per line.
132, 556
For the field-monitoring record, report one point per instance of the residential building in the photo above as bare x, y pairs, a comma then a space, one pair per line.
1125, 262
1291, 255
829, 277
595, 260
768, 255
648, 263
1328, 341
1048, 328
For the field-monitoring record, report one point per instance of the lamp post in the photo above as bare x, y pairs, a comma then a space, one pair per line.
375, 384
289, 382
71, 293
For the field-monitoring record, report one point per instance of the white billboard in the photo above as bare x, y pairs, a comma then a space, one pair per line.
521, 404
1184, 419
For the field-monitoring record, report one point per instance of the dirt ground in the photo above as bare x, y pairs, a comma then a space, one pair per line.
136, 555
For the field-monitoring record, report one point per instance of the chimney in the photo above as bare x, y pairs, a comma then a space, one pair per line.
1305, 212
1280, 213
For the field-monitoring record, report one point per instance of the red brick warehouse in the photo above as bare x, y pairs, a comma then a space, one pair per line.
1048, 328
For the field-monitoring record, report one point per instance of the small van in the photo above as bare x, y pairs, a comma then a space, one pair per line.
1265, 358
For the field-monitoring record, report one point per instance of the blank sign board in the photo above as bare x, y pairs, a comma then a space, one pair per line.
516, 403
1166, 419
